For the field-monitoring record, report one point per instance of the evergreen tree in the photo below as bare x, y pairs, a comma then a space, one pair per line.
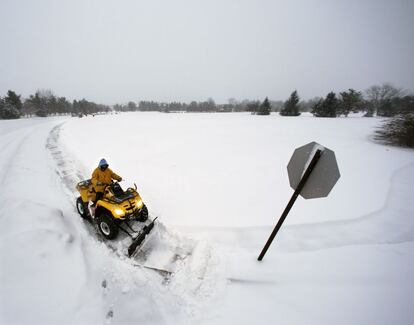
8, 111
398, 130
39, 103
351, 101
63, 105
317, 108
193, 107
10, 106
306, 106
132, 106
264, 108
14, 100
326, 108
291, 106
211, 105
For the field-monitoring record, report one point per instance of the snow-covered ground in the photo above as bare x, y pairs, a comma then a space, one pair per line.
218, 183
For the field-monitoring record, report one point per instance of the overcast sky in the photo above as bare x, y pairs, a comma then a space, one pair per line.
116, 51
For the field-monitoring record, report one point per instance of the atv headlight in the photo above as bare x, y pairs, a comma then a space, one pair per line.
139, 203
119, 212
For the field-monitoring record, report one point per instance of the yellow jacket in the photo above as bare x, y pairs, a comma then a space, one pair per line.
101, 178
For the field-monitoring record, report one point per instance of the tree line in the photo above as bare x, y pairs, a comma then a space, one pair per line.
384, 100
44, 103
380, 100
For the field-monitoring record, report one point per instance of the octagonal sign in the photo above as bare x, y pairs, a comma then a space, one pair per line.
324, 175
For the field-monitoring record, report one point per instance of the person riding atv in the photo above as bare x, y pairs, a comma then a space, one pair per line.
113, 208
101, 177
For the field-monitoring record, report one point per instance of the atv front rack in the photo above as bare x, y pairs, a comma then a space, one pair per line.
139, 238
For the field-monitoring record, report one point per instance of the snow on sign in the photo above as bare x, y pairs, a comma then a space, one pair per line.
313, 172
324, 175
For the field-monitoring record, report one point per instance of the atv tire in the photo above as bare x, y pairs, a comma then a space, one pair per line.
82, 208
107, 226
143, 214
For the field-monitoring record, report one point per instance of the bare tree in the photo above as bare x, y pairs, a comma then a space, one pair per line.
378, 96
232, 101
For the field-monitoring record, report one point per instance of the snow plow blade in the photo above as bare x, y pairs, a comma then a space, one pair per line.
140, 238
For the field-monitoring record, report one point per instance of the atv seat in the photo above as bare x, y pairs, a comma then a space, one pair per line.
117, 189
119, 194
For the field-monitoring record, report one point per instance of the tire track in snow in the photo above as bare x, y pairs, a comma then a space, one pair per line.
69, 179
65, 166
12, 143
14, 147
37, 231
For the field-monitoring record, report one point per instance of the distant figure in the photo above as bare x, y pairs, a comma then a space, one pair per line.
101, 177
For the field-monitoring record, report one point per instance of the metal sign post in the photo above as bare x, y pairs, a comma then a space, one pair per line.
320, 176
291, 202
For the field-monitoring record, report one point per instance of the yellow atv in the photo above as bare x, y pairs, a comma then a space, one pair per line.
115, 209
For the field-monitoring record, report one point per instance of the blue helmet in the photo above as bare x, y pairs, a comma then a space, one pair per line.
103, 163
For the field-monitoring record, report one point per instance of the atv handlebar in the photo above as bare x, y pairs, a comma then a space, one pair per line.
107, 184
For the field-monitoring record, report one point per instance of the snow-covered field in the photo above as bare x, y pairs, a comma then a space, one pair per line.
218, 183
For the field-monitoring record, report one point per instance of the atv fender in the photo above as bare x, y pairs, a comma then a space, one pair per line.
99, 210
